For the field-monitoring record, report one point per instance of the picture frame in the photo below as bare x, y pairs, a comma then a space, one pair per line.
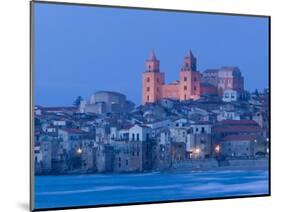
153, 64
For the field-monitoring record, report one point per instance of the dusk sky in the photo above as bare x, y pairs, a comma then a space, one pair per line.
80, 50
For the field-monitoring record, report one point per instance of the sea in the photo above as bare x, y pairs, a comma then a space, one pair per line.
101, 189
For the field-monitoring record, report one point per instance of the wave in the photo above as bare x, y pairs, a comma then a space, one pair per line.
252, 187
108, 188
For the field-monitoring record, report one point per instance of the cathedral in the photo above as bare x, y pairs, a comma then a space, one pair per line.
153, 81
191, 84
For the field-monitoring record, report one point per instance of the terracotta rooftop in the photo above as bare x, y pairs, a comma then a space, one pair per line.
238, 122
240, 138
127, 127
211, 71
205, 84
58, 108
74, 130
230, 129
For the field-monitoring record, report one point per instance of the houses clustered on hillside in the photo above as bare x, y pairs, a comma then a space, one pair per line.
103, 135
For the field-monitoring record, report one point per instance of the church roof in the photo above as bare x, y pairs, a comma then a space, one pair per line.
191, 54
152, 55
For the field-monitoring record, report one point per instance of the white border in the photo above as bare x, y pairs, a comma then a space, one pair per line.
14, 118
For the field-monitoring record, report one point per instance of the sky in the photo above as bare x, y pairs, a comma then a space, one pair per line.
79, 50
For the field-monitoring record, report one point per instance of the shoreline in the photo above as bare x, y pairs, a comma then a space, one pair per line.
249, 168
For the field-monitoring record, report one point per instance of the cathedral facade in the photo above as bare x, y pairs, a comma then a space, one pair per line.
191, 84
154, 87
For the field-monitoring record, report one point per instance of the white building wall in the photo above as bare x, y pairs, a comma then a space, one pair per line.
139, 133
230, 96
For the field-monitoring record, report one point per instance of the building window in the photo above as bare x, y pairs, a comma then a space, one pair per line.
147, 98
147, 89
147, 79
185, 78
184, 96
127, 162
157, 89
157, 80
133, 136
147, 136
195, 79
138, 136
195, 88
203, 130
185, 87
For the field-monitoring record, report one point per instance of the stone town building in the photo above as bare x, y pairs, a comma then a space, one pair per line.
43, 157
106, 102
154, 87
196, 138
132, 149
105, 158
225, 78
225, 128
162, 151
242, 146
201, 140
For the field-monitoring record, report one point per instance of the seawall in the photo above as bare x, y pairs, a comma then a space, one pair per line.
212, 164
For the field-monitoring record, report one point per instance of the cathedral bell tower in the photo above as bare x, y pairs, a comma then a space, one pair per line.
152, 80
189, 87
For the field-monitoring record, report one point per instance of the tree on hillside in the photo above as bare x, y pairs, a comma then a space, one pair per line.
77, 101
256, 92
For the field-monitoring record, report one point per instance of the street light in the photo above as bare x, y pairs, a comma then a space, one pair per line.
217, 148
197, 151
79, 151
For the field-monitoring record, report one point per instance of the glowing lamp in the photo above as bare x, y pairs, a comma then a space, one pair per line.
217, 148
197, 151
79, 151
